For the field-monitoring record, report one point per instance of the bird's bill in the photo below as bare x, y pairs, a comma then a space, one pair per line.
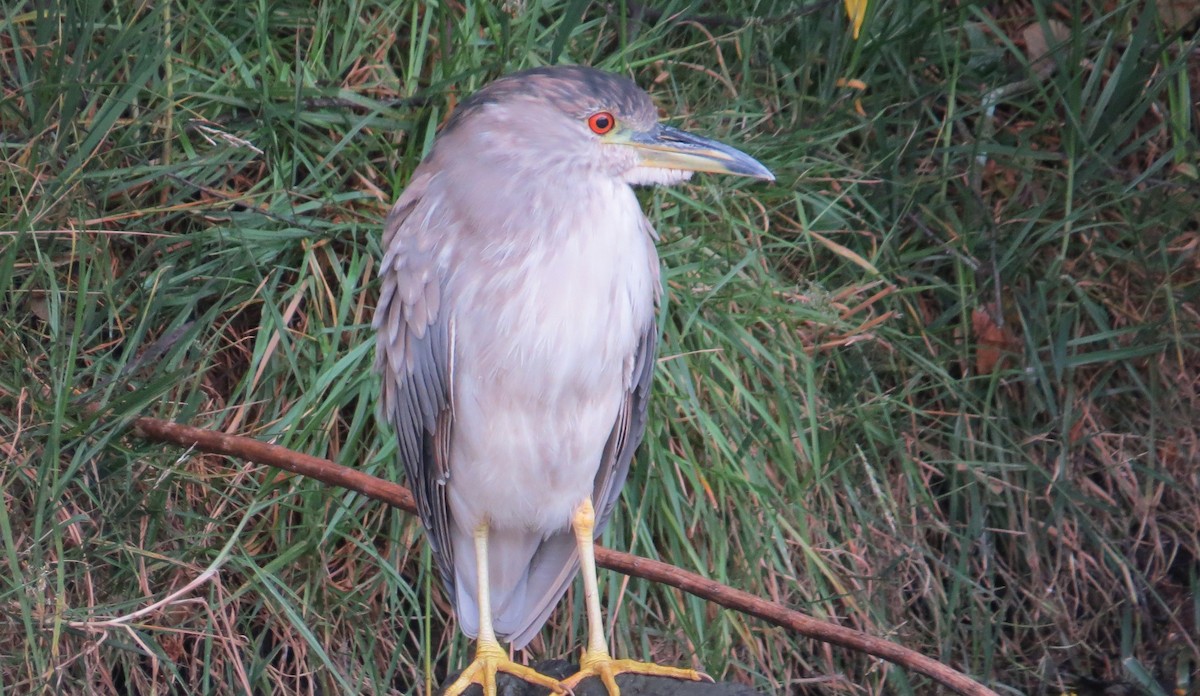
670, 148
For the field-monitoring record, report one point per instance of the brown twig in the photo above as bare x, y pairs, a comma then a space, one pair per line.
398, 496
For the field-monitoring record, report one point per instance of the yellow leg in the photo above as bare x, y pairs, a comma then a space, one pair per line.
490, 657
596, 660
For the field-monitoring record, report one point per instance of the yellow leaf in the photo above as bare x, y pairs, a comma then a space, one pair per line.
856, 10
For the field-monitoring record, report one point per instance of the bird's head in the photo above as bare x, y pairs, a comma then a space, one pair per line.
556, 123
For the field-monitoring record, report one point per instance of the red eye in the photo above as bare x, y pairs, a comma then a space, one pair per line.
601, 122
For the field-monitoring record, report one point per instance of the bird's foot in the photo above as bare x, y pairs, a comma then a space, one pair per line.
606, 668
491, 659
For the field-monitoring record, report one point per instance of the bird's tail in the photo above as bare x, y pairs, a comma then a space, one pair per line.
527, 577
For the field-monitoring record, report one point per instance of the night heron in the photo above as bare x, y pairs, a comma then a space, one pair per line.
516, 338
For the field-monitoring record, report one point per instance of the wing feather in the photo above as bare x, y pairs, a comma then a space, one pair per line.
414, 359
630, 427
627, 432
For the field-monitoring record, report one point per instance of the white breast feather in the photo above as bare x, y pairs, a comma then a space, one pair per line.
552, 339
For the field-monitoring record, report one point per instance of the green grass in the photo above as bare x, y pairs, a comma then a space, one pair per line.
191, 197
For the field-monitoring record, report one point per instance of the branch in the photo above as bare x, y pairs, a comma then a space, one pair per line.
398, 496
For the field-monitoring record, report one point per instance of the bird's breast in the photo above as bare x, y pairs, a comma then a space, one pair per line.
544, 354
564, 303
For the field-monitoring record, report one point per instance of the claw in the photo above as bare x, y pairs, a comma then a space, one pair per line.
606, 669
491, 659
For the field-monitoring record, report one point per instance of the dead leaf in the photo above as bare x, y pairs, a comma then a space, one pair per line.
992, 340
1177, 14
1038, 45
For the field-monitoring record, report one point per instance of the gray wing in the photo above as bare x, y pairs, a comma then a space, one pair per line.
631, 419
627, 432
414, 349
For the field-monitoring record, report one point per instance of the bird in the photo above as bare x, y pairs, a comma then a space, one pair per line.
516, 330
